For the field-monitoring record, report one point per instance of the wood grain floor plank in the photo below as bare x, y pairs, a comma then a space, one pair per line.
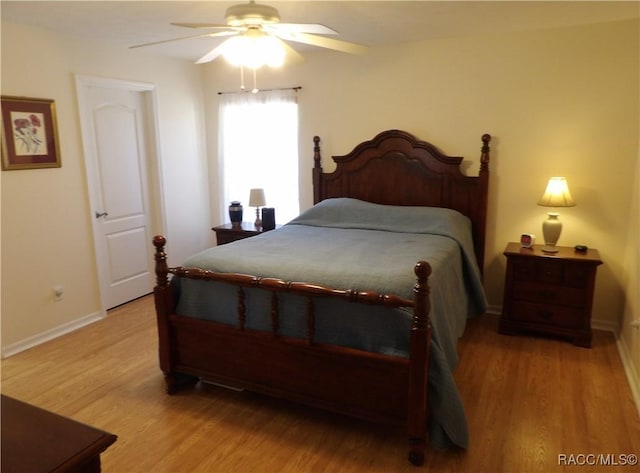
528, 400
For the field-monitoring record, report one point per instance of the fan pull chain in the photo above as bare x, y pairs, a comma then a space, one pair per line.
255, 87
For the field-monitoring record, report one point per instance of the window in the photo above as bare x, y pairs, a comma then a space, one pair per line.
258, 144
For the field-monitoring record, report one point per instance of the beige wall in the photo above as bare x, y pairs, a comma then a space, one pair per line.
558, 102
630, 335
46, 219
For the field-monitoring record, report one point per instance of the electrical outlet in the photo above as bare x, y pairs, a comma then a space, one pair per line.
58, 292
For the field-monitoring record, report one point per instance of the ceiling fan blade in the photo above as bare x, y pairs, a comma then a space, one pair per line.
201, 35
208, 25
213, 54
323, 42
292, 56
299, 28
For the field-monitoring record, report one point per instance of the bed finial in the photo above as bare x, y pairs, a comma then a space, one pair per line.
422, 308
316, 152
422, 270
484, 157
161, 260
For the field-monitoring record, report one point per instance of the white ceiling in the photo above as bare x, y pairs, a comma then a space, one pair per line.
371, 23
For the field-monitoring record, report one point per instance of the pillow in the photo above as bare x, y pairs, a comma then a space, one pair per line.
344, 212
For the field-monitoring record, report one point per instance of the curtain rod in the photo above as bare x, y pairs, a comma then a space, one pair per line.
296, 88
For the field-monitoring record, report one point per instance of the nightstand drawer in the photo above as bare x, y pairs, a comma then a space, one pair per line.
530, 269
552, 272
546, 314
548, 294
228, 232
578, 275
227, 237
549, 271
524, 269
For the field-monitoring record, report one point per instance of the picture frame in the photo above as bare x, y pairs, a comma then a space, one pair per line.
29, 133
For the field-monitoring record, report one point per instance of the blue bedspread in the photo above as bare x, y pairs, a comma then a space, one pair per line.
350, 244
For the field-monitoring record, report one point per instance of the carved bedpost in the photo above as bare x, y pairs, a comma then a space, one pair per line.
317, 170
484, 196
163, 298
484, 156
161, 260
419, 361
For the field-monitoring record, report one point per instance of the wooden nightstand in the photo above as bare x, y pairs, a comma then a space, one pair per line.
227, 233
550, 293
34, 439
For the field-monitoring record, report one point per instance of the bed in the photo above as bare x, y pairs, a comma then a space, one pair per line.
355, 306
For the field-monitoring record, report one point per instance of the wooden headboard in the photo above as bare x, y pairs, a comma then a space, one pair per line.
395, 168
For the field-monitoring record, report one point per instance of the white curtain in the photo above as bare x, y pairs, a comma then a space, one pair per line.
258, 147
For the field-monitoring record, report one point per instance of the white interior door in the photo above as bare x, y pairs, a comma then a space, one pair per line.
116, 128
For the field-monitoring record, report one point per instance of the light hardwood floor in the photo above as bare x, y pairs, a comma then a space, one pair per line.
528, 402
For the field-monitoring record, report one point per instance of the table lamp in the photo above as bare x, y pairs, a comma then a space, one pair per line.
556, 195
256, 199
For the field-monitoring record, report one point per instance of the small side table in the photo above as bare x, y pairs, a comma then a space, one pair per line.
230, 232
36, 440
549, 293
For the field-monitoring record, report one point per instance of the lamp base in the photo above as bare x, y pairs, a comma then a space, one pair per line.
258, 222
551, 229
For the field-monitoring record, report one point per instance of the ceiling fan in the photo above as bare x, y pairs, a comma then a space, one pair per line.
250, 24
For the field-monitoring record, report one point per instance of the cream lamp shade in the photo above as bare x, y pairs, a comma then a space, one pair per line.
555, 195
257, 200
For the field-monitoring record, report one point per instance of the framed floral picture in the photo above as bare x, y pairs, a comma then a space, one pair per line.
29, 133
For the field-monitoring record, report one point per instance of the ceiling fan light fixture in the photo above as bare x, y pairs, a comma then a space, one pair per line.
258, 37
251, 13
254, 49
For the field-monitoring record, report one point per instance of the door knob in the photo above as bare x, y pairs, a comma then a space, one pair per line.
101, 214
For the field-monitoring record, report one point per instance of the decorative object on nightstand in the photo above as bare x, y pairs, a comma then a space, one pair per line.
550, 293
256, 199
527, 240
268, 218
556, 195
235, 212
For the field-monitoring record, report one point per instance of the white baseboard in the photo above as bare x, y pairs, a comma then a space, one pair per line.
50, 334
629, 368
495, 310
606, 325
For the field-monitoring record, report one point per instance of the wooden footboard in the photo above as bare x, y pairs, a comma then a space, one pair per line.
365, 385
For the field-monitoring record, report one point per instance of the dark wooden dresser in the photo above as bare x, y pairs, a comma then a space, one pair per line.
37, 441
549, 293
